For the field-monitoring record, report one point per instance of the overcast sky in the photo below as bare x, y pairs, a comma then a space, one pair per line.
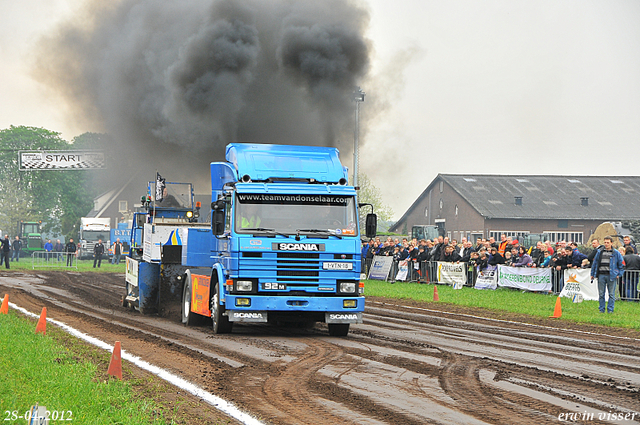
503, 87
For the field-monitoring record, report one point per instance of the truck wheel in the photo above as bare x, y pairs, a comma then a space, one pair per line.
221, 323
189, 318
338, 329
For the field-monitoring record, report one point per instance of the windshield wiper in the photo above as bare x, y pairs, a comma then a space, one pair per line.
265, 230
321, 231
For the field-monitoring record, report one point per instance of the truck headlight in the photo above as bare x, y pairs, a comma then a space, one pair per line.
244, 285
348, 287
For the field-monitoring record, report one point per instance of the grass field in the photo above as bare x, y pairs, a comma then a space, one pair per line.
68, 377
626, 314
83, 265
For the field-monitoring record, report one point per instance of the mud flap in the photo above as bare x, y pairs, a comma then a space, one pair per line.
171, 283
247, 316
343, 317
148, 287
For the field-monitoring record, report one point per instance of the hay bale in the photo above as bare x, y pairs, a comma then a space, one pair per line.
605, 229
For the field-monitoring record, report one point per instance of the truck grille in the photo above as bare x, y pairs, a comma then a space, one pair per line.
298, 255
296, 269
297, 273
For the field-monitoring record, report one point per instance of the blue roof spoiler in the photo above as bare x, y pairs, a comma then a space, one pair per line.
262, 162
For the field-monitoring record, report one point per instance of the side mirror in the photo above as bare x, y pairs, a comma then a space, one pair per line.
371, 226
218, 217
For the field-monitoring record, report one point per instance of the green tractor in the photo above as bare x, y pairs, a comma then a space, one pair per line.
30, 234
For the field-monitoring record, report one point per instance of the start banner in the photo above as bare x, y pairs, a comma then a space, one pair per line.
61, 160
530, 279
452, 274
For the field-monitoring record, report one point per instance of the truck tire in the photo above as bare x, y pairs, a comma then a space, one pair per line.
338, 329
221, 323
189, 318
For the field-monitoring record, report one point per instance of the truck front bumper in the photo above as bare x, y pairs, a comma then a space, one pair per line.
252, 308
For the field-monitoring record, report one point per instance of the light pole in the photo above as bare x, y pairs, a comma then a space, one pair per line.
359, 97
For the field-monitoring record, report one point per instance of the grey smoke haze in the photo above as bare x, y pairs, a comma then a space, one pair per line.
174, 82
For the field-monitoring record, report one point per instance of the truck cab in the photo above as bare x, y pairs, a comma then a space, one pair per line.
93, 229
426, 231
30, 233
283, 244
287, 238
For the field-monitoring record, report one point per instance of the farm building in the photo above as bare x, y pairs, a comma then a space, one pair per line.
565, 207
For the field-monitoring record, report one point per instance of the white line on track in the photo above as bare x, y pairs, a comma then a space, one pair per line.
215, 401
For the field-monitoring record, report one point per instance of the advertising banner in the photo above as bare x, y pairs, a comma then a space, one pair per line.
452, 274
578, 281
530, 279
487, 278
380, 267
403, 270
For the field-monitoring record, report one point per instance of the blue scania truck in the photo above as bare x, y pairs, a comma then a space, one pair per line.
283, 244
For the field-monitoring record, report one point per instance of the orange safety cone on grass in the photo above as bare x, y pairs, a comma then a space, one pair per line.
115, 367
41, 327
5, 305
435, 293
557, 312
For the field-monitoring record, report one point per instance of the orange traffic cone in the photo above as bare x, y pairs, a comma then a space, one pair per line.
41, 327
435, 293
557, 312
115, 367
5, 305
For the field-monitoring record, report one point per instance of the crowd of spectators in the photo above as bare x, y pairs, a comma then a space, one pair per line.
561, 255
421, 256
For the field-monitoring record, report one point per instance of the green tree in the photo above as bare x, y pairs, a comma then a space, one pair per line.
57, 197
370, 194
13, 203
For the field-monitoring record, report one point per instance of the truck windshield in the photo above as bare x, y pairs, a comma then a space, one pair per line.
175, 195
424, 232
94, 235
286, 213
31, 228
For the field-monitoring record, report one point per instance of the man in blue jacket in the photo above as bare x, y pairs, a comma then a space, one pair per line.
607, 266
48, 247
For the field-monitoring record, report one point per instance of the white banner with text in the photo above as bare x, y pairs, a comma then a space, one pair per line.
487, 278
530, 279
578, 281
380, 267
452, 274
61, 160
403, 270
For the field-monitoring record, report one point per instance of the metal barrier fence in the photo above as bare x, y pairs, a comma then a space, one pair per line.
44, 259
427, 272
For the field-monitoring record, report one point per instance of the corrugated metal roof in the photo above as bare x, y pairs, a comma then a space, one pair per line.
550, 197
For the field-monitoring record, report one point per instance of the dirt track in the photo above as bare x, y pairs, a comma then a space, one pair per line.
407, 364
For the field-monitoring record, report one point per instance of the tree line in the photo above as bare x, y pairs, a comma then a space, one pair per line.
58, 198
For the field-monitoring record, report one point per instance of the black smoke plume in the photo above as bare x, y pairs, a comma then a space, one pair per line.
174, 81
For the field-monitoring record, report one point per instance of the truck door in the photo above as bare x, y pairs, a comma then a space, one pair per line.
220, 244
